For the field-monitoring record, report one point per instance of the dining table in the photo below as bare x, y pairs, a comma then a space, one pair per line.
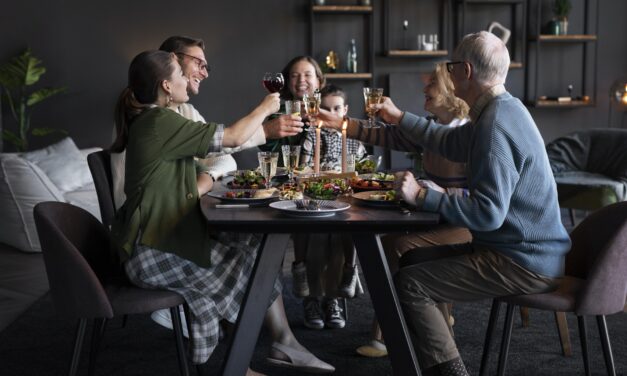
365, 223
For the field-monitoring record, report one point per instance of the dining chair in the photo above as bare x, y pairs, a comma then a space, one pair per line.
85, 282
100, 166
595, 284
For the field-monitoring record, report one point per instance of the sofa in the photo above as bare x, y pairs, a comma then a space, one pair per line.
58, 172
590, 168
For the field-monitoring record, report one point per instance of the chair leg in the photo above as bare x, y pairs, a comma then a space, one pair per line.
78, 345
345, 308
572, 217
583, 335
562, 329
485, 358
96, 336
507, 335
607, 347
178, 338
524, 316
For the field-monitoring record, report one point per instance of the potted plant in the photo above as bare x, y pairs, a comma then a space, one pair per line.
561, 9
17, 77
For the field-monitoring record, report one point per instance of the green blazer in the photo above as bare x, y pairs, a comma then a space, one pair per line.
161, 208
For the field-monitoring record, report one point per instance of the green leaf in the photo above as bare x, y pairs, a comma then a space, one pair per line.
22, 70
42, 94
13, 139
47, 131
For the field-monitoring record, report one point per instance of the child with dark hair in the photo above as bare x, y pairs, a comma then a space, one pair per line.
330, 270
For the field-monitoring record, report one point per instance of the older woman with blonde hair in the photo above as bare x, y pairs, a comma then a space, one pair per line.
443, 175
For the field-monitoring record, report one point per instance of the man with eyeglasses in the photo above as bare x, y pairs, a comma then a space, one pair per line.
519, 242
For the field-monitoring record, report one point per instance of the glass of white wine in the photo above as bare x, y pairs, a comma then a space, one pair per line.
312, 106
372, 96
267, 164
293, 108
291, 157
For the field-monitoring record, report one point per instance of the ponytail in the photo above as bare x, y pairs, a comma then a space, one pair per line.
126, 109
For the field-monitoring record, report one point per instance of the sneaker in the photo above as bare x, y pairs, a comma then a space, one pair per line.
350, 279
313, 316
333, 315
300, 287
162, 317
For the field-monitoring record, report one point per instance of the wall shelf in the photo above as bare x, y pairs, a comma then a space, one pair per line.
566, 38
515, 65
349, 76
416, 53
555, 104
342, 8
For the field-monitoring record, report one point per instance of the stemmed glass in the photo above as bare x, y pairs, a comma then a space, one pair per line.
273, 82
267, 163
291, 156
372, 96
312, 106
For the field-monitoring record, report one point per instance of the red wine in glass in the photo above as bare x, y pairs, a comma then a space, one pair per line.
273, 82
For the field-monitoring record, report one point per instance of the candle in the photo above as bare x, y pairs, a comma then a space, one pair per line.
317, 150
344, 146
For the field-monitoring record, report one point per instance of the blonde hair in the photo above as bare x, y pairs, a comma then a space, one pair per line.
446, 97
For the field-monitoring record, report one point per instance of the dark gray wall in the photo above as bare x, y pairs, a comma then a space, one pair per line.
87, 47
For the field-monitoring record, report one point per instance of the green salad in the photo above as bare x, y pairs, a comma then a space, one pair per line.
325, 189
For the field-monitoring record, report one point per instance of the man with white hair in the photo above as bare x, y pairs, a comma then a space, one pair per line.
519, 242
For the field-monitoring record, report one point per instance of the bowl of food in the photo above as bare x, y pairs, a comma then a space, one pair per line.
325, 189
247, 179
368, 164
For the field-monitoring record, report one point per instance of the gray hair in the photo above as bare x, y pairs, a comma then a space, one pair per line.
487, 54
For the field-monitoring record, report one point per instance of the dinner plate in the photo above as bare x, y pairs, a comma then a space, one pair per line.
382, 185
327, 208
247, 200
377, 177
364, 198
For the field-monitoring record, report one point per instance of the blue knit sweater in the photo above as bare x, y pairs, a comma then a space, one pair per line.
512, 208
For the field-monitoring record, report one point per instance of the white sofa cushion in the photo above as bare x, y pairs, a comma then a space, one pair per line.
22, 186
63, 163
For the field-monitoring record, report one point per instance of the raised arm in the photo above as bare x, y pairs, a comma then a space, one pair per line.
240, 131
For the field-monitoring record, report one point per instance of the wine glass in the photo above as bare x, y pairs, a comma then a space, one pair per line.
267, 164
291, 156
273, 82
293, 108
312, 106
372, 96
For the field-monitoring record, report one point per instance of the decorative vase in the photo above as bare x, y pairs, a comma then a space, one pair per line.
562, 26
319, 2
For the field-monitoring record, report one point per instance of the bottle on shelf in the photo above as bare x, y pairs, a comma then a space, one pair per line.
351, 58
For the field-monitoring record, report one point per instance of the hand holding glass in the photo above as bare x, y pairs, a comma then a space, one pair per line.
293, 108
273, 82
312, 106
267, 165
372, 96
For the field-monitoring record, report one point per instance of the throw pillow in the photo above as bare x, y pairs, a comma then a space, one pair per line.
63, 163
22, 186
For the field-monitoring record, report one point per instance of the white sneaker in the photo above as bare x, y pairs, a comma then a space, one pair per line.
162, 317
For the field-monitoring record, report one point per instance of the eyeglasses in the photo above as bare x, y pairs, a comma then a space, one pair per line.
200, 63
449, 65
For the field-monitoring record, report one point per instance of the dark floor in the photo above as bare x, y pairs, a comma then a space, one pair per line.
35, 341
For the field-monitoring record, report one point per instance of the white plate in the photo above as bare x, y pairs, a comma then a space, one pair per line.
327, 208
251, 200
365, 198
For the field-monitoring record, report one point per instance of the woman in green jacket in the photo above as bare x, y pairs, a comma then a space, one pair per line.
160, 226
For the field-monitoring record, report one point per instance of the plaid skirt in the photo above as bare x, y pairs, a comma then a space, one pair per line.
213, 294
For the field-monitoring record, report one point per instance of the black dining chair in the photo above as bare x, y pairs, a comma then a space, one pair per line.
595, 284
85, 280
100, 166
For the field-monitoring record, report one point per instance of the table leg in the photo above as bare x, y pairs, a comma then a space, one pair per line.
251, 315
386, 305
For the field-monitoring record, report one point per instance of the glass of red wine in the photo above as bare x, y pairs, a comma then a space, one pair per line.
273, 82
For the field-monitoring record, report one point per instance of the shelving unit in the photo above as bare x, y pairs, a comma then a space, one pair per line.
393, 51
365, 11
537, 40
517, 25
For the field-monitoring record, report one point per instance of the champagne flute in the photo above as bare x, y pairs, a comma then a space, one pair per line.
372, 96
312, 106
267, 163
273, 82
291, 156
293, 108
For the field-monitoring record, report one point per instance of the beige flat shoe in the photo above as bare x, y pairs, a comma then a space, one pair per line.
299, 360
375, 349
